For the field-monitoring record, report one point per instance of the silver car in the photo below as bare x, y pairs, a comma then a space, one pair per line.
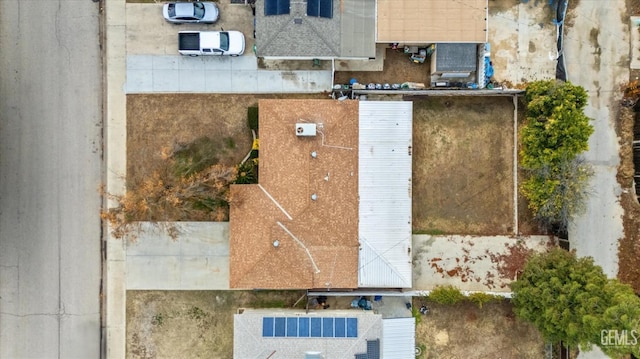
191, 12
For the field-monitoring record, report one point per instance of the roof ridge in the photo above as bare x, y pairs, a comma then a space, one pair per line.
269, 41
315, 30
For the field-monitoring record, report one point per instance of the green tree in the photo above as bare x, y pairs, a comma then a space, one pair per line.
571, 300
555, 133
556, 194
556, 127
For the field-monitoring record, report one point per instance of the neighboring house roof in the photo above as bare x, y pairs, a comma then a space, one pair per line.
349, 32
357, 231
291, 337
318, 240
384, 176
456, 57
398, 338
433, 21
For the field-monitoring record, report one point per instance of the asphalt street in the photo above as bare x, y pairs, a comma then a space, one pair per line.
50, 171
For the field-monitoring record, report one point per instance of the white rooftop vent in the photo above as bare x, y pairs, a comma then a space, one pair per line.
305, 129
314, 154
314, 197
276, 243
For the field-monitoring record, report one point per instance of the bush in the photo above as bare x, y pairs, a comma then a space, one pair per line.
482, 298
446, 295
247, 172
252, 116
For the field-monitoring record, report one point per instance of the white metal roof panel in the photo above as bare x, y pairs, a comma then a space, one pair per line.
384, 185
398, 338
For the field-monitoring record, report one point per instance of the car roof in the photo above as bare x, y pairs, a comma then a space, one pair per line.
184, 9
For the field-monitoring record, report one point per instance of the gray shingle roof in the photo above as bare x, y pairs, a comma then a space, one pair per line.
349, 33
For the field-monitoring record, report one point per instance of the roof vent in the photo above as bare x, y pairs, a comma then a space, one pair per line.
276, 243
314, 197
297, 21
305, 129
314, 154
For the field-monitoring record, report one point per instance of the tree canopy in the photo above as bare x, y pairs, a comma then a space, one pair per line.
571, 300
555, 133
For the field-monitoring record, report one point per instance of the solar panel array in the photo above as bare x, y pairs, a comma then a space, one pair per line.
310, 327
321, 8
276, 7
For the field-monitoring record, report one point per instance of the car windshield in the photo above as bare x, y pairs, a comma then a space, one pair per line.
224, 41
198, 10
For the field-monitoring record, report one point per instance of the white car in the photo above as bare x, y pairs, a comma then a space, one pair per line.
191, 12
196, 43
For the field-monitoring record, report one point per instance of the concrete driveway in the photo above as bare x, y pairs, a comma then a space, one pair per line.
154, 65
593, 49
197, 260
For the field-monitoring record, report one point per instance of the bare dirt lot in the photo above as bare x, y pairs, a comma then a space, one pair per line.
191, 324
465, 331
398, 68
463, 165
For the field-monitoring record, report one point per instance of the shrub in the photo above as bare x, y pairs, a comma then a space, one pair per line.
482, 298
252, 116
446, 295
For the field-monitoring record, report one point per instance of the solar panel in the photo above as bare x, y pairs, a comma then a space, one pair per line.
280, 327
341, 328
321, 8
292, 327
303, 327
326, 8
276, 7
327, 327
267, 327
352, 327
283, 7
313, 7
316, 327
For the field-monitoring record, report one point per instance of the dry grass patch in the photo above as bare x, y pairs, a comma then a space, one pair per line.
463, 165
191, 324
464, 330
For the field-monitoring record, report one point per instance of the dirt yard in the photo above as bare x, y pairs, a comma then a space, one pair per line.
191, 324
157, 122
398, 68
463, 165
465, 331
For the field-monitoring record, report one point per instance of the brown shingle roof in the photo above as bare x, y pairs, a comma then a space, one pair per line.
327, 229
432, 21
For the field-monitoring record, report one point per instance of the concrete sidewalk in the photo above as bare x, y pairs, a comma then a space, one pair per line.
217, 74
198, 259
469, 263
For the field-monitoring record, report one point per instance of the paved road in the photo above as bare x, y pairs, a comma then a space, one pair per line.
592, 49
50, 169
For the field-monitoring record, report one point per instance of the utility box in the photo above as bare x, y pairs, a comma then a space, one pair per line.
305, 129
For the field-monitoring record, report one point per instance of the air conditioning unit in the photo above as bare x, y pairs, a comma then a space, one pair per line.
305, 129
